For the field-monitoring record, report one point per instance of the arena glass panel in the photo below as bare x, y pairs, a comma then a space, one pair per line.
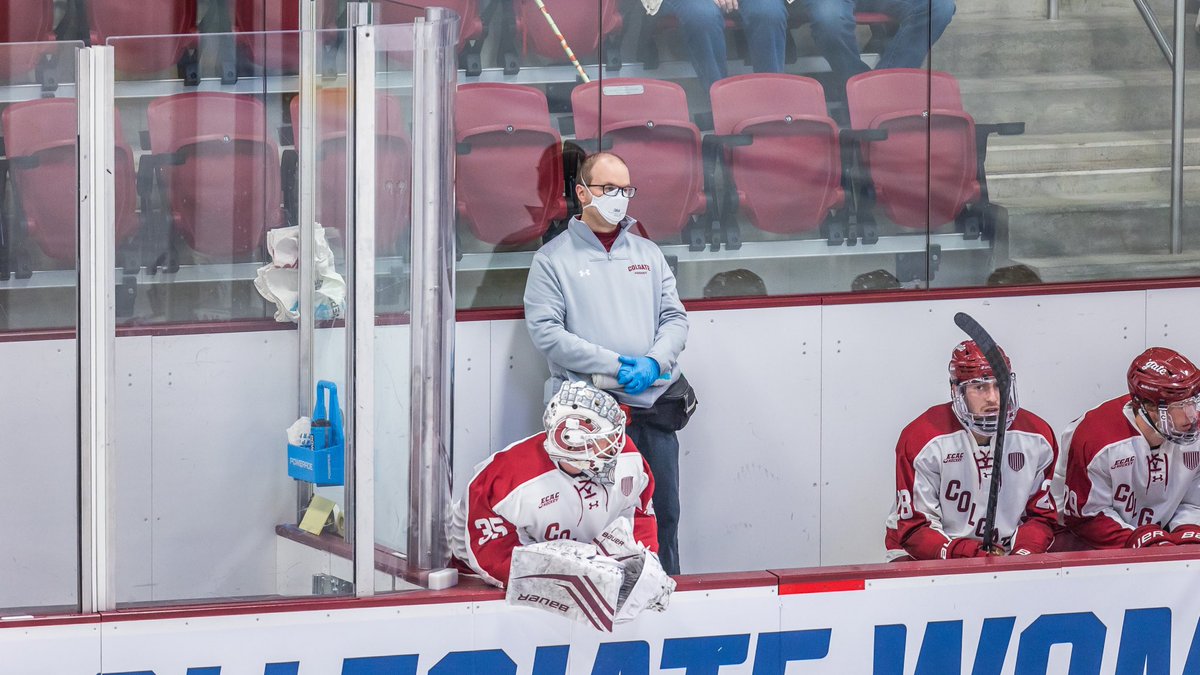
394, 211
39, 290
206, 507
515, 128
1083, 193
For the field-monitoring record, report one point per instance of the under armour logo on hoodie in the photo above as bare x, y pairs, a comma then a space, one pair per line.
585, 273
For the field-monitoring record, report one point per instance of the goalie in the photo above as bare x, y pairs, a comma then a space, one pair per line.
564, 518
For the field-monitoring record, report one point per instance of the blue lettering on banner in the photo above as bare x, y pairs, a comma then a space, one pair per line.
1144, 649
492, 661
705, 655
776, 650
551, 660
1082, 630
380, 665
622, 658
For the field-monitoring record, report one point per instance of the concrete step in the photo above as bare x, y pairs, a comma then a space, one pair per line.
988, 46
1121, 100
1117, 266
1098, 224
1071, 184
1038, 8
1087, 151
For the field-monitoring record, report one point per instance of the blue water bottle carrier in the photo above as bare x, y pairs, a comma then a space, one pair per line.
323, 461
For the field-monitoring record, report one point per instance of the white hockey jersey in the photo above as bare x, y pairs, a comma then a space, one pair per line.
1116, 483
519, 496
942, 481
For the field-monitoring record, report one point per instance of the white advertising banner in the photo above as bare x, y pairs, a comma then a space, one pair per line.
1122, 619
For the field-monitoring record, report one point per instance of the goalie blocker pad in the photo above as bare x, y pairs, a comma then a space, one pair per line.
585, 582
568, 578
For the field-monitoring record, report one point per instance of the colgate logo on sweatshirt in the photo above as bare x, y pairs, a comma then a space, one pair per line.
639, 269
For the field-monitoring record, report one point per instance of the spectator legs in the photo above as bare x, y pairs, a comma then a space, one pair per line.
833, 29
703, 26
661, 450
922, 22
765, 23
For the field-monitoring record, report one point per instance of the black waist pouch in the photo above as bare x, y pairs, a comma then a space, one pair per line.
672, 410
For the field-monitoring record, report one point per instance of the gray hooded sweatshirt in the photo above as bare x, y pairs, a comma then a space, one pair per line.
585, 306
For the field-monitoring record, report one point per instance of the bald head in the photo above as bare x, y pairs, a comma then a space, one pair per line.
603, 162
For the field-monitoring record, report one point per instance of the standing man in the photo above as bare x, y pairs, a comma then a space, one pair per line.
1133, 463
944, 467
600, 300
833, 28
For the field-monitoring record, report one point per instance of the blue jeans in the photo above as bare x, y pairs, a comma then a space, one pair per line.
922, 22
703, 23
661, 450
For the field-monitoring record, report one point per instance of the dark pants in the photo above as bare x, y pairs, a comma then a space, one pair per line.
921, 24
661, 450
703, 24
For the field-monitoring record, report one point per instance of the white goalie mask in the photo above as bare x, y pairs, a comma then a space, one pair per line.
585, 429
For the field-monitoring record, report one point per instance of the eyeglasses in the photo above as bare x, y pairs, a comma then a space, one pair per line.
612, 190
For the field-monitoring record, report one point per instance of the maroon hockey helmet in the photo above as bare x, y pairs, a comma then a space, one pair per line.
1166, 379
969, 366
1162, 375
967, 363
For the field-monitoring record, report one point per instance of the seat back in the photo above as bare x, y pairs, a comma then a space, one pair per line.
393, 165
409, 10
40, 137
155, 19
577, 20
23, 21
509, 186
647, 121
223, 181
925, 173
789, 178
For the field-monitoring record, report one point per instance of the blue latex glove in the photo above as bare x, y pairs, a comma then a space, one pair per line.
637, 373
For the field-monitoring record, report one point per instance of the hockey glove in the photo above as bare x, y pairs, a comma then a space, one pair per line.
637, 374
1148, 535
1186, 534
963, 547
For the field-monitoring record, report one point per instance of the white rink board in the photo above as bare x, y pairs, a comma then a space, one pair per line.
1076, 620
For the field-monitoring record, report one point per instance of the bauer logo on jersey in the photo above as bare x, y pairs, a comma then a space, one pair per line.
627, 484
1016, 461
1191, 459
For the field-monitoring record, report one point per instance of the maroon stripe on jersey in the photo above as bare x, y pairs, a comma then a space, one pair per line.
823, 587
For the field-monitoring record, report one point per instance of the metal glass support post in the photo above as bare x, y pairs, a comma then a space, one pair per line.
1052, 10
432, 290
360, 318
96, 336
306, 140
1177, 119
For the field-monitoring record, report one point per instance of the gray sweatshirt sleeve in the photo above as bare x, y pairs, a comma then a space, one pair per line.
545, 317
671, 336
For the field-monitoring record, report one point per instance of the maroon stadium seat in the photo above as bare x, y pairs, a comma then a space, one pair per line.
788, 178
944, 141
470, 38
153, 19
393, 165
503, 130
219, 168
40, 137
648, 125
23, 21
581, 25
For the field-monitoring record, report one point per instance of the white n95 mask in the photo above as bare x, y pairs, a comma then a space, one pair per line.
612, 208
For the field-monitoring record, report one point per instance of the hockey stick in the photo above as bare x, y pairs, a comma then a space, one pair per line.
991, 352
562, 40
